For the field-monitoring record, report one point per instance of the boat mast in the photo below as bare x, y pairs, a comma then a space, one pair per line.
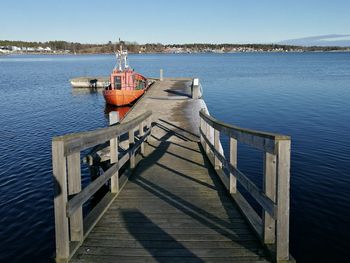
122, 57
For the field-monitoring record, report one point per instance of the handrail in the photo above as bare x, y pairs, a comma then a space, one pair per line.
261, 140
69, 196
273, 227
76, 142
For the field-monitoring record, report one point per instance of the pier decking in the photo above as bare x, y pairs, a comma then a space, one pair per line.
176, 200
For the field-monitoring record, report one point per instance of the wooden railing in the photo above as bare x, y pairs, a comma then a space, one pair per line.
70, 226
273, 227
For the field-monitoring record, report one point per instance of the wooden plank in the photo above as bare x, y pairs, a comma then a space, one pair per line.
283, 182
178, 237
269, 186
60, 200
134, 259
239, 230
233, 163
169, 244
168, 253
74, 187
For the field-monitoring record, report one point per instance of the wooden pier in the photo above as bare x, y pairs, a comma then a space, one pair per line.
173, 194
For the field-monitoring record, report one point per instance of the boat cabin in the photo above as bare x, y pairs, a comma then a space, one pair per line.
127, 80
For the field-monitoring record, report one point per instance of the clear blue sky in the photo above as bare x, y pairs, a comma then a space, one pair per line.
174, 21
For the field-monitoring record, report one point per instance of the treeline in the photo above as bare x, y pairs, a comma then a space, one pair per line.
134, 47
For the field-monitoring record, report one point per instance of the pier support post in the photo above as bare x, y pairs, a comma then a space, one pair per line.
195, 89
161, 74
114, 119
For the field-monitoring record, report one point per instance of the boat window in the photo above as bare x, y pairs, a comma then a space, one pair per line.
140, 85
117, 82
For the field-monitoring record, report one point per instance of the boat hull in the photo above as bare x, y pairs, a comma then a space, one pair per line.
121, 97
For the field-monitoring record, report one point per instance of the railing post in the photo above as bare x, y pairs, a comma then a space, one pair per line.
201, 126
74, 187
149, 126
114, 159
161, 74
269, 187
113, 119
131, 144
233, 162
207, 133
217, 163
60, 200
141, 133
283, 182
195, 89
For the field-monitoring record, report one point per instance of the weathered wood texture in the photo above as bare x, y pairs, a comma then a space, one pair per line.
179, 205
173, 209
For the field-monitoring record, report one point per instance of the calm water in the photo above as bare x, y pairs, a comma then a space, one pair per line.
304, 95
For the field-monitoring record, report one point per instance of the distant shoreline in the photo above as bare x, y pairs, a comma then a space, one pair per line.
64, 47
178, 53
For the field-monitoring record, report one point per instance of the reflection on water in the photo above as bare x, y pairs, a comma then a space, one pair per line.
305, 95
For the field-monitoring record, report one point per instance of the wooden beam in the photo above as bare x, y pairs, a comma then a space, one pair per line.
252, 189
149, 126
74, 187
114, 159
80, 141
60, 200
269, 187
131, 144
207, 133
141, 133
217, 163
260, 140
233, 162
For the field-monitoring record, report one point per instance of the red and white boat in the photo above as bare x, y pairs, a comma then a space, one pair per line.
126, 85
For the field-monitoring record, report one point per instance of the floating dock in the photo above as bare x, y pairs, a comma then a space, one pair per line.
173, 194
90, 82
